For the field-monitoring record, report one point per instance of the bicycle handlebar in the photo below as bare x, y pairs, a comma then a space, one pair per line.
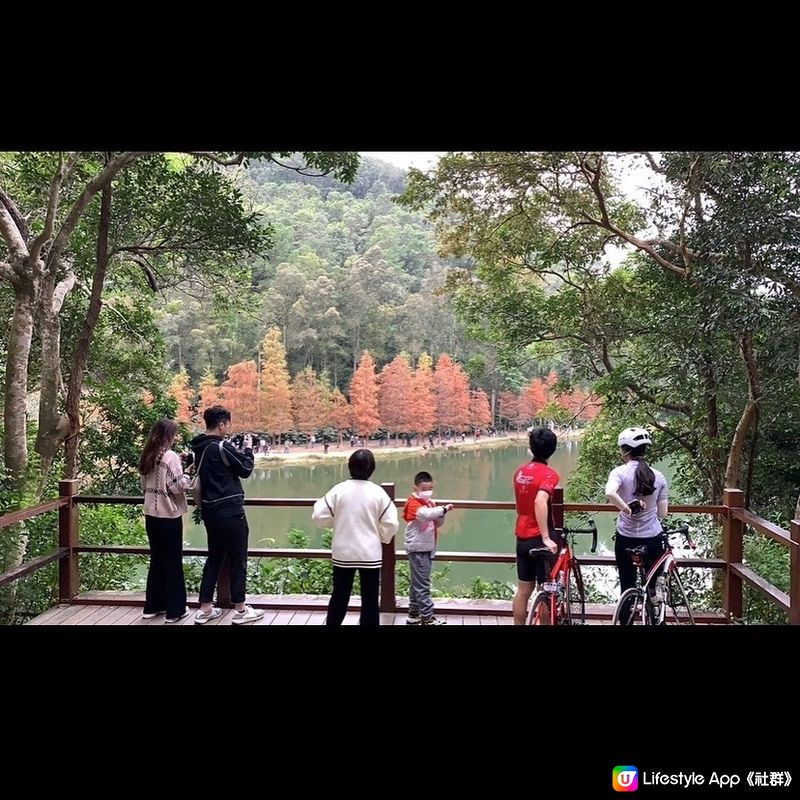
591, 529
681, 529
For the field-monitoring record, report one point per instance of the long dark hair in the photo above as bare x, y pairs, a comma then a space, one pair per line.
159, 440
645, 478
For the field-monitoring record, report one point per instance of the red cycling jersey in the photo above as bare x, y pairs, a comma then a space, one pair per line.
529, 479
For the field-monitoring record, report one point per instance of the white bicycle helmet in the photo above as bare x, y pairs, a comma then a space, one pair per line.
634, 437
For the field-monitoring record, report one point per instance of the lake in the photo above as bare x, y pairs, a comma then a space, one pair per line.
481, 474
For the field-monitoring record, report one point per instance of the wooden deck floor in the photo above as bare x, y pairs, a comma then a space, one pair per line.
125, 608
132, 615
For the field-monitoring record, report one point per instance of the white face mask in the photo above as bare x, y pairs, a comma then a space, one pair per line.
425, 495
530, 452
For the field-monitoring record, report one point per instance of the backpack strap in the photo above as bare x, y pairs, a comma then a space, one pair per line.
223, 455
200, 464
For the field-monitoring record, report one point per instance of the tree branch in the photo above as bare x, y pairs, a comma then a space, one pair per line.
11, 234
105, 176
652, 162
64, 170
16, 214
232, 161
641, 393
690, 445
63, 287
593, 175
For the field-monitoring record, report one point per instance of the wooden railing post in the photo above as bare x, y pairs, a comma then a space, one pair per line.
732, 551
68, 575
557, 505
794, 574
388, 599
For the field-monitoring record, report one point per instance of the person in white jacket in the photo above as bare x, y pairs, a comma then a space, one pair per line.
363, 517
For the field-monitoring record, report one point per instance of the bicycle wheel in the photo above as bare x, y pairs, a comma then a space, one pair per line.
574, 605
679, 611
630, 609
542, 610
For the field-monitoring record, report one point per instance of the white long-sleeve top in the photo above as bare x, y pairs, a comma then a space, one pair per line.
363, 516
164, 488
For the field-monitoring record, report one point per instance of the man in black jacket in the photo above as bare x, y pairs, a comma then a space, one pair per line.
220, 465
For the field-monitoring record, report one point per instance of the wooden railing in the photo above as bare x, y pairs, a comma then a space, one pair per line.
734, 519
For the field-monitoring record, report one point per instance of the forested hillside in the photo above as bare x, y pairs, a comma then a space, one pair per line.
349, 270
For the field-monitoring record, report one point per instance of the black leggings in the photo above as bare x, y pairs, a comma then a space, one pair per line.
627, 571
342, 588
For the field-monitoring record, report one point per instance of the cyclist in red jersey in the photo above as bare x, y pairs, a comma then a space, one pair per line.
534, 483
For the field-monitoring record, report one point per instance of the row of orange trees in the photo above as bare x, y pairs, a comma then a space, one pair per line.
400, 399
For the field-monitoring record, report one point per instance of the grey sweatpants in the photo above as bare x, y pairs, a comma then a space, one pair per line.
419, 595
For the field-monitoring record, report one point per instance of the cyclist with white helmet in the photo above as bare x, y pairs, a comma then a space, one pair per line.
640, 493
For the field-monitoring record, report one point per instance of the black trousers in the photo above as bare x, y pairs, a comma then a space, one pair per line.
226, 537
166, 586
342, 589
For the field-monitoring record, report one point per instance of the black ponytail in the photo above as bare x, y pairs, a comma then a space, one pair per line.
645, 478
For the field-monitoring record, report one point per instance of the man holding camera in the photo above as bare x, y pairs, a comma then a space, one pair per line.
220, 466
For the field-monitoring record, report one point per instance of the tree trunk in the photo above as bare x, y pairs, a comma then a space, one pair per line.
734, 465
81, 359
15, 445
52, 426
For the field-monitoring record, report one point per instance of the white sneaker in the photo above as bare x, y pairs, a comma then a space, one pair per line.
179, 617
153, 616
200, 618
247, 615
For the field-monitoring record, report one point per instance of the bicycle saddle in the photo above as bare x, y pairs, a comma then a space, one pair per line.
640, 550
537, 551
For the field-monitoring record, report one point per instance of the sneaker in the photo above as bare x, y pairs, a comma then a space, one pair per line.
413, 619
200, 618
432, 621
178, 619
153, 615
247, 615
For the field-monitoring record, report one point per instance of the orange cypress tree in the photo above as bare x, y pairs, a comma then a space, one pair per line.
423, 403
364, 397
451, 390
509, 408
395, 388
523, 419
534, 398
339, 413
240, 392
275, 408
210, 394
480, 415
309, 402
184, 395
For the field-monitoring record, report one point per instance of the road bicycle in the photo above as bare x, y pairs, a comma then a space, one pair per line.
562, 599
658, 597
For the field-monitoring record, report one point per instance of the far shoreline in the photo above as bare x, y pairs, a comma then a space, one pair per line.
303, 456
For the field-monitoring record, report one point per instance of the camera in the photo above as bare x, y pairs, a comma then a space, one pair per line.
635, 506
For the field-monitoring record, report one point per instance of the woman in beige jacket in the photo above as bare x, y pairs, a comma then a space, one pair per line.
164, 484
